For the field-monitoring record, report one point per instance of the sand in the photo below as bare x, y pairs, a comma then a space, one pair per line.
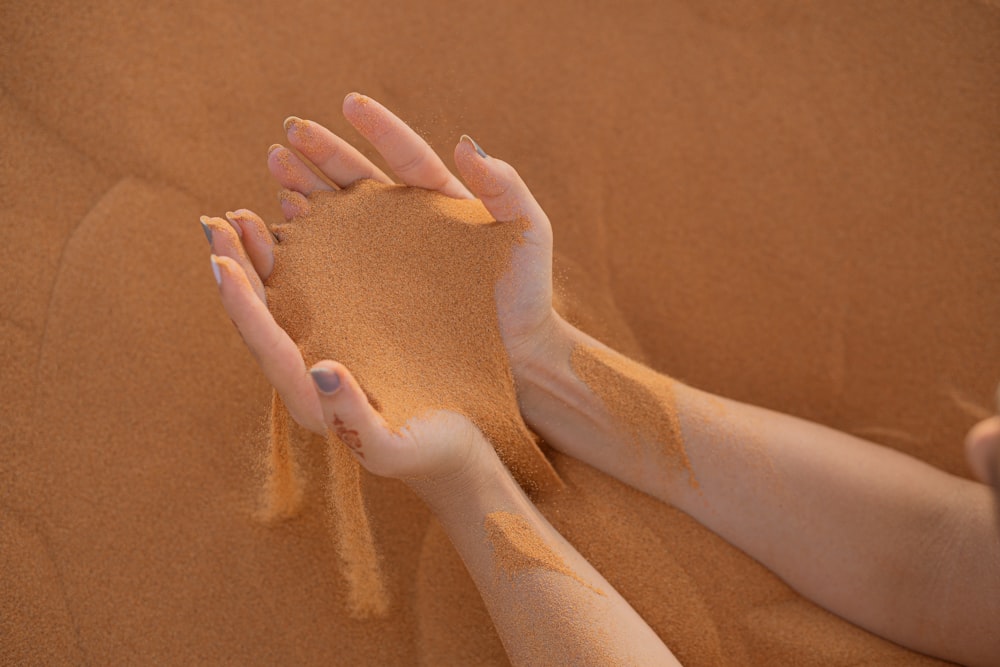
789, 204
642, 403
399, 285
518, 547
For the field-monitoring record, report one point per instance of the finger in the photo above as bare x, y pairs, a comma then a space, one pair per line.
498, 186
338, 160
293, 204
348, 413
291, 172
224, 241
982, 449
278, 356
408, 155
257, 240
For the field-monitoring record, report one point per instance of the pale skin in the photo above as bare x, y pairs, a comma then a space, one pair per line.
441, 456
883, 540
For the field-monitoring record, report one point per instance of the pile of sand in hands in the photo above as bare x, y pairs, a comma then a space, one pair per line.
397, 283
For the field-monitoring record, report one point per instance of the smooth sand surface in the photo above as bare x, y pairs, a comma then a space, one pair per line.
789, 204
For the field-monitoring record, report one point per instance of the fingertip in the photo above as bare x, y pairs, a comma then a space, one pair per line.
469, 141
224, 264
290, 122
479, 171
293, 204
327, 378
224, 237
206, 228
228, 268
354, 97
231, 217
215, 269
367, 116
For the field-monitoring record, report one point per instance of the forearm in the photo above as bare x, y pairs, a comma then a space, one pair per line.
882, 539
549, 605
879, 538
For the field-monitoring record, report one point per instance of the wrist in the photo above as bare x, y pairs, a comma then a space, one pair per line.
480, 484
552, 342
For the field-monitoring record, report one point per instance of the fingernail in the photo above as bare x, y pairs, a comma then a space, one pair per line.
357, 97
291, 122
216, 272
231, 217
205, 228
273, 148
479, 149
327, 381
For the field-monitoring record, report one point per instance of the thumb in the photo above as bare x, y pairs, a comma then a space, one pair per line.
346, 410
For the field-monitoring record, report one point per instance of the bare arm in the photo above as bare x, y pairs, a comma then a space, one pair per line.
902, 549
549, 605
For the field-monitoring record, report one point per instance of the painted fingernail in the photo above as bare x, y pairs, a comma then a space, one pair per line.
479, 149
215, 271
273, 147
231, 217
205, 228
327, 381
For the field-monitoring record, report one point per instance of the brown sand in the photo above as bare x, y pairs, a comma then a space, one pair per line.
399, 285
367, 595
283, 488
518, 547
639, 399
790, 204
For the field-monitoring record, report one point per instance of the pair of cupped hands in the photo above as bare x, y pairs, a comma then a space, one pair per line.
327, 397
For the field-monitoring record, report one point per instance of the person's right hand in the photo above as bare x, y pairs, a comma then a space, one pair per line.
524, 294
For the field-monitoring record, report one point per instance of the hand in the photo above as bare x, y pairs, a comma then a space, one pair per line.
436, 446
524, 294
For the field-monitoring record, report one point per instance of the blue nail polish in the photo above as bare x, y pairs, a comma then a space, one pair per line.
215, 271
479, 149
326, 380
208, 232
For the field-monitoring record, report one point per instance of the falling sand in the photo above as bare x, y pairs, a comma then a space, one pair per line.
640, 400
283, 488
398, 284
